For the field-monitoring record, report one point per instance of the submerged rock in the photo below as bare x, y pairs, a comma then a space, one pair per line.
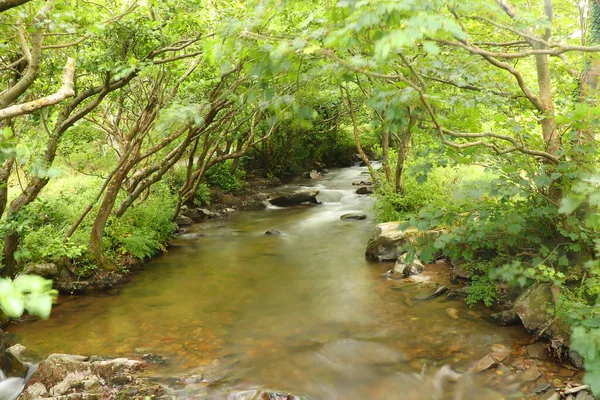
353, 216
386, 242
272, 232
438, 292
345, 353
296, 198
407, 269
153, 358
255, 394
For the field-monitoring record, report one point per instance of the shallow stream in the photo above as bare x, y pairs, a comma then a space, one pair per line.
302, 311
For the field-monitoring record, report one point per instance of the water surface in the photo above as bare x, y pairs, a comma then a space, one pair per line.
302, 311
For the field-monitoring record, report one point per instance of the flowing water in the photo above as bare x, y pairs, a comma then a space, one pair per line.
302, 311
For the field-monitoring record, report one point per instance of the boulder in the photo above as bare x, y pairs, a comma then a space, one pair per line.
314, 174
459, 272
197, 214
46, 270
386, 242
364, 190
17, 349
63, 374
182, 220
407, 269
252, 205
532, 309
353, 216
208, 214
12, 366
296, 198
101, 281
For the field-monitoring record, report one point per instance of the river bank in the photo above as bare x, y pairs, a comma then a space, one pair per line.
231, 310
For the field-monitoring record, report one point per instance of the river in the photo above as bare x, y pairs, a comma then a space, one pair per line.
302, 311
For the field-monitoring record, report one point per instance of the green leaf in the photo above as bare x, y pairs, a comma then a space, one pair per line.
569, 204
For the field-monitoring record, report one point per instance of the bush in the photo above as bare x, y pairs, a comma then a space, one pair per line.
219, 175
439, 188
42, 225
144, 228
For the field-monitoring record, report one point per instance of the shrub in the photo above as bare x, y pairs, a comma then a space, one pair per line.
220, 175
144, 228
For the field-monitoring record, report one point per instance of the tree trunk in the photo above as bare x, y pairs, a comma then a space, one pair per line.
359, 148
11, 243
549, 131
95, 245
385, 152
402, 155
4, 175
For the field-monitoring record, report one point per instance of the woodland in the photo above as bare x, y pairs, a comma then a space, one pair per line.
116, 114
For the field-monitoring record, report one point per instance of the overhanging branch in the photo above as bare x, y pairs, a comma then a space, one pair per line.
65, 91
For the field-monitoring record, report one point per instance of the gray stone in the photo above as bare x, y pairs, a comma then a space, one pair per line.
584, 395
153, 358
531, 306
252, 205
296, 198
17, 349
386, 242
459, 272
537, 350
364, 190
407, 269
314, 174
505, 318
12, 366
207, 213
46, 270
576, 359
353, 216
182, 220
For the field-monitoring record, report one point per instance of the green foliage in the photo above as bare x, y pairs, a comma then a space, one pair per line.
220, 175
26, 293
202, 195
482, 289
144, 229
440, 187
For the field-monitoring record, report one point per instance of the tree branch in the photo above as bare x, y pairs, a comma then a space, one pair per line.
8, 4
65, 91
